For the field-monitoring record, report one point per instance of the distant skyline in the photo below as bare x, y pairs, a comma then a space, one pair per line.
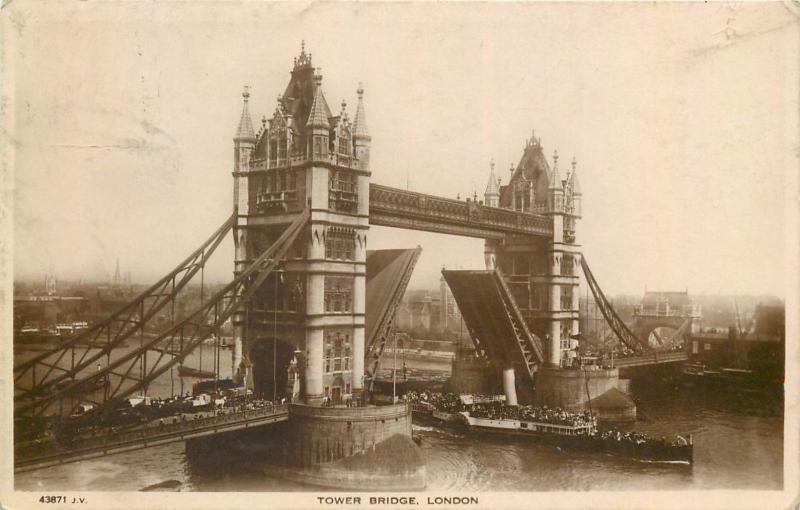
682, 118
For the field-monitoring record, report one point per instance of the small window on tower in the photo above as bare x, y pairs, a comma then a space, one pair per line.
273, 150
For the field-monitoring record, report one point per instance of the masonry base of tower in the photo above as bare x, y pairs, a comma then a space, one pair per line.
353, 448
330, 447
600, 391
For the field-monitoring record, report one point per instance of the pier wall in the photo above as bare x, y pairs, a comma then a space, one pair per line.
325, 434
470, 375
572, 389
263, 442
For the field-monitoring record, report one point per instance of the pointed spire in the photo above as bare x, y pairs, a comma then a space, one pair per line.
245, 130
117, 277
492, 187
573, 177
304, 60
317, 117
555, 177
360, 122
533, 141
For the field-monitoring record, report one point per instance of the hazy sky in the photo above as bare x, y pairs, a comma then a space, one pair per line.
683, 118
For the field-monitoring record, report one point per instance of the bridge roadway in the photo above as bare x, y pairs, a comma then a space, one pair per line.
150, 435
651, 358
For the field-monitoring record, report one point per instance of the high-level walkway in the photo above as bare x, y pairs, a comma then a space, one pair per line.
392, 207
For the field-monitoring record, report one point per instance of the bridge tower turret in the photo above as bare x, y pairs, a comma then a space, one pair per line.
574, 194
491, 197
361, 138
572, 254
555, 209
244, 141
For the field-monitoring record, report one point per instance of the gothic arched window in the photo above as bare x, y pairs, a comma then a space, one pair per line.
282, 146
345, 143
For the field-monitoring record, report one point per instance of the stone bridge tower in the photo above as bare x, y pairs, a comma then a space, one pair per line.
542, 274
304, 157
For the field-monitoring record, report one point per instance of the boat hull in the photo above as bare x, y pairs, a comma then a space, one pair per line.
573, 438
629, 449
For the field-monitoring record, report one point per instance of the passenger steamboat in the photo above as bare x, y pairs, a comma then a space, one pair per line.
491, 418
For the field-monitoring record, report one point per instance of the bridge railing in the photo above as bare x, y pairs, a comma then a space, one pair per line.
682, 311
151, 431
649, 358
341, 160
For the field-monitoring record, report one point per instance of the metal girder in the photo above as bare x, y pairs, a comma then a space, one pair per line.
678, 333
114, 330
614, 321
191, 331
530, 347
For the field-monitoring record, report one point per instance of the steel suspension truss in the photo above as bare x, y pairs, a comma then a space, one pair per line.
118, 379
49, 369
681, 331
374, 350
614, 321
530, 346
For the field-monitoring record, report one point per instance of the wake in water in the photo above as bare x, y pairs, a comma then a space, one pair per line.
420, 428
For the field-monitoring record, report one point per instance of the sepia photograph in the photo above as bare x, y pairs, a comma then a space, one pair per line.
383, 254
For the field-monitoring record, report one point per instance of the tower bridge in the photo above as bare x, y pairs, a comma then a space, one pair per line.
311, 308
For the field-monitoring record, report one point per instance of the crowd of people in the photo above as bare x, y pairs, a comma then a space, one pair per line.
544, 414
640, 438
483, 406
153, 411
446, 402
623, 351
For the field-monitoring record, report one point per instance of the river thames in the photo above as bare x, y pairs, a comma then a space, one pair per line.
738, 444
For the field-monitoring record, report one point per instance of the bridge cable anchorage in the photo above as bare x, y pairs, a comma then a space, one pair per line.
387, 320
126, 321
623, 332
192, 330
